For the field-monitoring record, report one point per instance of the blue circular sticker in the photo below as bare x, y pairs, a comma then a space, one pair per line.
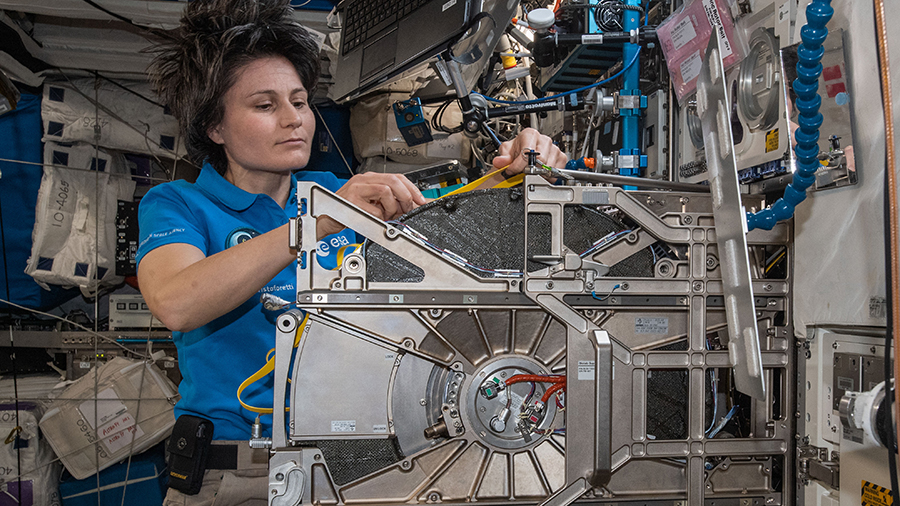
240, 235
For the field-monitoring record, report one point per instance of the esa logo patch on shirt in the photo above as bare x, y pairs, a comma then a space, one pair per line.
240, 235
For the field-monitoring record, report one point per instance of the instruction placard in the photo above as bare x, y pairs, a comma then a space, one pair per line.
343, 426
651, 325
586, 369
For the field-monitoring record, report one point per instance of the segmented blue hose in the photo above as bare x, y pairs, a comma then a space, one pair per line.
809, 68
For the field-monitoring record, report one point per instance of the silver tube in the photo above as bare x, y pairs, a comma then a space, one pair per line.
640, 182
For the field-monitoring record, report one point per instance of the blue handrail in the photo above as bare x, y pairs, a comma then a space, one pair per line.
806, 85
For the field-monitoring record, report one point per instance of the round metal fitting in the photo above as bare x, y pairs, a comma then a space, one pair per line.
480, 420
759, 81
665, 268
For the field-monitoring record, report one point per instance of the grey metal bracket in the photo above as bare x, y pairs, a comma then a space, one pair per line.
439, 272
731, 229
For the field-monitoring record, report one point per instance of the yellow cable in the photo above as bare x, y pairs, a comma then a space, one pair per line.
775, 261
264, 371
475, 184
340, 254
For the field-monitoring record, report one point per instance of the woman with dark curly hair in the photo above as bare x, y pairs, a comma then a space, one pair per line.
238, 77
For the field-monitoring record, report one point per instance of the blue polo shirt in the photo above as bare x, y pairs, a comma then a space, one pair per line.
213, 215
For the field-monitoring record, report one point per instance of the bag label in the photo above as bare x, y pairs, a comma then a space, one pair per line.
715, 20
683, 32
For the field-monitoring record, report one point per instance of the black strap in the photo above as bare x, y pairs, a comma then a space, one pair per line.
222, 457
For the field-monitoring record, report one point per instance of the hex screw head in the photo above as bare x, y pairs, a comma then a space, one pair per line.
688, 220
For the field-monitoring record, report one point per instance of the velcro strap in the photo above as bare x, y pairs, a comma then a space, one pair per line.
222, 457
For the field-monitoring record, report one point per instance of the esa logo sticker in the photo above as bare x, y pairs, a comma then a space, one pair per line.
323, 248
240, 235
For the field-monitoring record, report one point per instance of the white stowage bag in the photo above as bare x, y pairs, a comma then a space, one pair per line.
67, 247
375, 134
28, 465
70, 111
130, 408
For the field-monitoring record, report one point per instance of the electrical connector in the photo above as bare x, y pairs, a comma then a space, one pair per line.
492, 387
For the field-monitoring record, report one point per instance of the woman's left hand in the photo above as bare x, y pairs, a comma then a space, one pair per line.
511, 152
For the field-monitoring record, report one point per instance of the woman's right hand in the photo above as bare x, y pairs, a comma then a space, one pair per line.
386, 196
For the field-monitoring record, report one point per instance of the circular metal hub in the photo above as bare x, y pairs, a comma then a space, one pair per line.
495, 413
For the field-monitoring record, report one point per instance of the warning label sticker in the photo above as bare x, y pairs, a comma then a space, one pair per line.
873, 495
771, 140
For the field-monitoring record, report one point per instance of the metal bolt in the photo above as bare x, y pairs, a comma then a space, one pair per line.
422, 402
482, 409
433, 497
513, 283
872, 349
274, 492
835, 346
685, 200
688, 220
613, 300
406, 464
767, 287
549, 285
337, 284
589, 285
482, 433
624, 286
710, 262
279, 476
454, 413
503, 374
698, 286
318, 297
317, 457
457, 424
459, 430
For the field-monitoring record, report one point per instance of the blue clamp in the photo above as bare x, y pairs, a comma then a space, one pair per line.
632, 112
633, 171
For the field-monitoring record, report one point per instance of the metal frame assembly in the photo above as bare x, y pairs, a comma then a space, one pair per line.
418, 392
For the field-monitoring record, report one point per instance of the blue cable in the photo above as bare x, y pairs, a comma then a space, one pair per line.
809, 68
565, 94
594, 294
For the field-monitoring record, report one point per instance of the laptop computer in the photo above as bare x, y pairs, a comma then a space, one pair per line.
382, 38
